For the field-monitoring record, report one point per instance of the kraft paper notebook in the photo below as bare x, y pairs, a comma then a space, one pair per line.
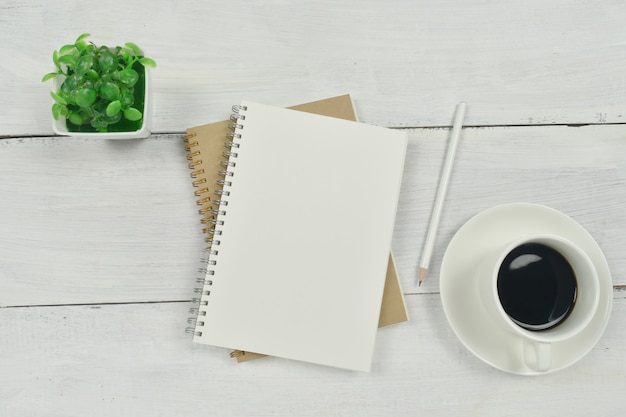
205, 145
295, 267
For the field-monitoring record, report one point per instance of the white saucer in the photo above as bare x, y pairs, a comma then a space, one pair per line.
497, 347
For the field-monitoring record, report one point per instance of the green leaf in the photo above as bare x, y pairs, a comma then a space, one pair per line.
58, 98
56, 111
76, 118
49, 76
126, 56
132, 114
129, 77
114, 108
81, 46
109, 91
92, 74
67, 49
85, 62
69, 60
107, 61
81, 37
136, 50
127, 97
86, 97
111, 120
147, 62
73, 82
90, 48
55, 59
69, 98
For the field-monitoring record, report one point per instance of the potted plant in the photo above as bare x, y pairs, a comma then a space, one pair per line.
101, 91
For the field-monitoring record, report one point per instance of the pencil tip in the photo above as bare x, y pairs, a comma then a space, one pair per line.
422, 275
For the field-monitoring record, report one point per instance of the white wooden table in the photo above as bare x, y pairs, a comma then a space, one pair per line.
100, 241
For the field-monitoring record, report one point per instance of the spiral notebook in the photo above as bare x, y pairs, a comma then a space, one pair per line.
298, 258
204, 150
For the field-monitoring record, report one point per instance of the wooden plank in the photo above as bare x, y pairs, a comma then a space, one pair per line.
136, 360
576, 170
86, 221
407, 64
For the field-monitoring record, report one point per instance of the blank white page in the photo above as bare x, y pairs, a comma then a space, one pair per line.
304, 245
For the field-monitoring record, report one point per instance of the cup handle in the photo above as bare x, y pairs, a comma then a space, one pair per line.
537, 355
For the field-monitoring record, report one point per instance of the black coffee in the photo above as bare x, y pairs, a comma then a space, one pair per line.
536, 286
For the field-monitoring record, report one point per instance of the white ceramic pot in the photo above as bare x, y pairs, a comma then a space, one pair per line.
59, 126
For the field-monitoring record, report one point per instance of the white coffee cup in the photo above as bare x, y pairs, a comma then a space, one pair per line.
536, 345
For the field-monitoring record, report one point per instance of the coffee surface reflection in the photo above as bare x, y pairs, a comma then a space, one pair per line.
536, 286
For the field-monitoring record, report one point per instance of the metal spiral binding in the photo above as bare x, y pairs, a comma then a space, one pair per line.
216, 208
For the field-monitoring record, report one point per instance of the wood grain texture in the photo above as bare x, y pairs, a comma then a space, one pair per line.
121, 360
87, 221
406, 63
579, 171
100, 240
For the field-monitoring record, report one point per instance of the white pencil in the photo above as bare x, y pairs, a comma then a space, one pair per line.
441, 192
